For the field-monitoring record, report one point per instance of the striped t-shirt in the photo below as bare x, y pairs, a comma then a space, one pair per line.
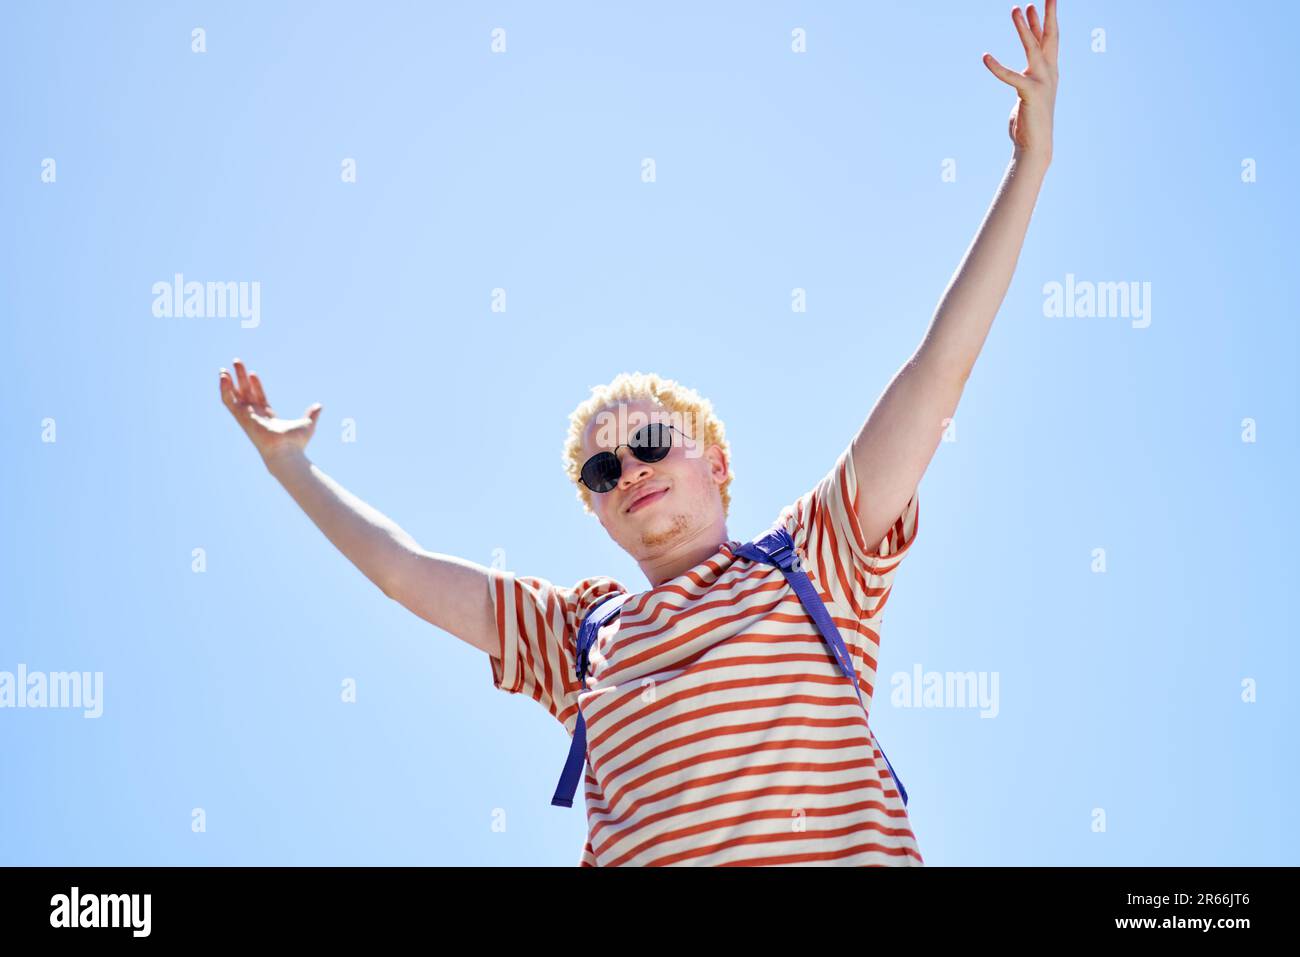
720, 730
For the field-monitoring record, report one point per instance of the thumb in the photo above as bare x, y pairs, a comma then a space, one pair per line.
1010, 77
313, 413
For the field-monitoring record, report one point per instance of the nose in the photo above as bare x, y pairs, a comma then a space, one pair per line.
634, 470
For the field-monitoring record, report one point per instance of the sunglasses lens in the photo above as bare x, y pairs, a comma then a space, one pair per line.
652, 442
601, 472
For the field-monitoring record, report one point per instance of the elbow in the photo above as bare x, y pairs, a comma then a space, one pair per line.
388, 587
944, 367
955, 372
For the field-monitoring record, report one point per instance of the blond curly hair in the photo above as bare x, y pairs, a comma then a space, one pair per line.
707, 428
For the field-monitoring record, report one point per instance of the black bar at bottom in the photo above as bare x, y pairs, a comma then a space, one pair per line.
576, 906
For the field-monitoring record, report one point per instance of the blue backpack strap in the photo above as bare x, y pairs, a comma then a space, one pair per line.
776, 547
587, 634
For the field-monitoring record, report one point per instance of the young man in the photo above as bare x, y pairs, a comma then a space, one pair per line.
719, 728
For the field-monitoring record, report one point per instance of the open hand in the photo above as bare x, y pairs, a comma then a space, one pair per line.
1030, 125
272, 436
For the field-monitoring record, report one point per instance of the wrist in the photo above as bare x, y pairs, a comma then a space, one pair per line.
282, 460
1032, 159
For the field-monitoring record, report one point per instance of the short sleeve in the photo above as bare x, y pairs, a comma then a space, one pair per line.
537, 626
827, 534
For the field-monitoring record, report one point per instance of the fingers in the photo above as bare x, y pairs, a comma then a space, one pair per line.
1027, 38
245, 389
248, 388
1035, 27
1010, 77
228, 397
1051, 31
258, 395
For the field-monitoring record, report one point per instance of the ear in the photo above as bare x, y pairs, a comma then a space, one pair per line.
717, 464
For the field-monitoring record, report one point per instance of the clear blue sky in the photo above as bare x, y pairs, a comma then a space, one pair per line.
522, 171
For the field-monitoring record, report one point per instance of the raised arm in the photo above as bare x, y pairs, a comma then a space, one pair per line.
895, 444
448, 592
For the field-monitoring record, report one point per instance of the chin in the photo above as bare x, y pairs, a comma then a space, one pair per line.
664, 529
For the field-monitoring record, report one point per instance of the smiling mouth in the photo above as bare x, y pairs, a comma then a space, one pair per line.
647, 500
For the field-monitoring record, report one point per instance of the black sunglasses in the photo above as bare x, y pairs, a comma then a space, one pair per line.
650, 443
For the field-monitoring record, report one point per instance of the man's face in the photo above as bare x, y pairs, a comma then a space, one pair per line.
681, 491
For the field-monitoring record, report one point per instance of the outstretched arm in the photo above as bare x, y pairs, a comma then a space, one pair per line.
896, 443
446, 591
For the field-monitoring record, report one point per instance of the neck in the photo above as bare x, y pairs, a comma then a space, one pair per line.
684, 555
